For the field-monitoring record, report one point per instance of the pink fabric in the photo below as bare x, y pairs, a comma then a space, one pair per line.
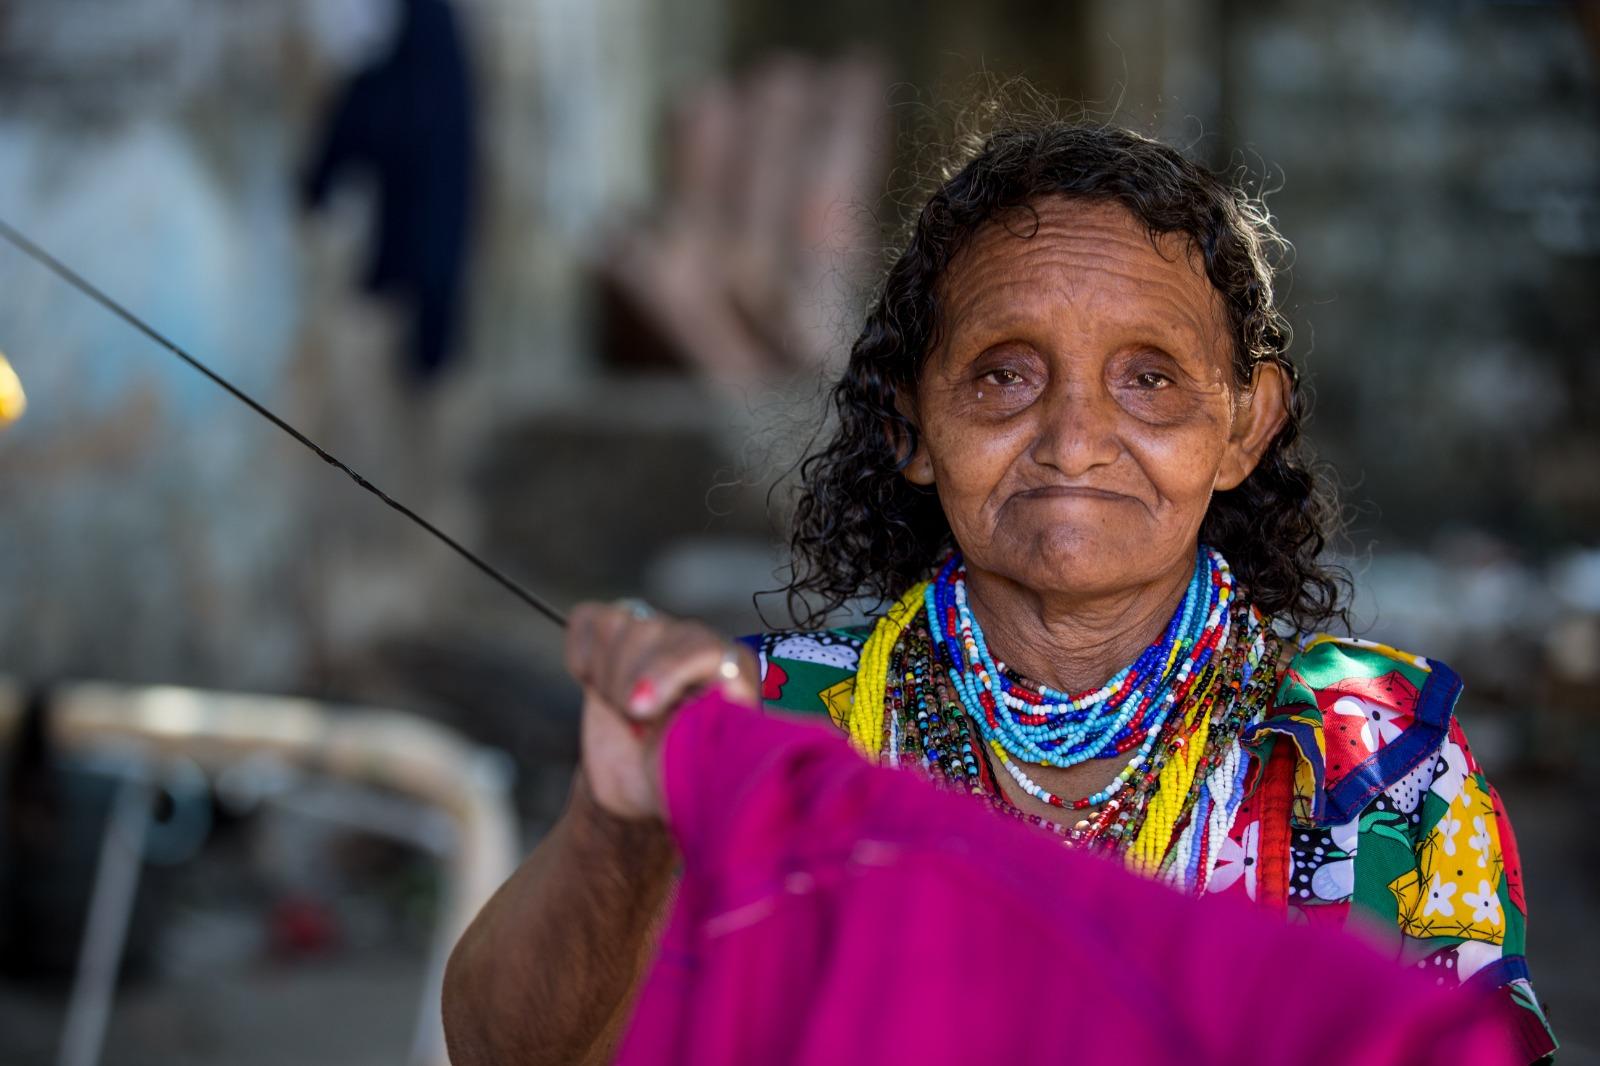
833, 912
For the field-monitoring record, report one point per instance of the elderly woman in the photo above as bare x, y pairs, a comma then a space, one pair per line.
1065, 459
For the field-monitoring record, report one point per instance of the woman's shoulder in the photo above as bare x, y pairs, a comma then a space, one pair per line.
1364, 716
1334, 663
809, 671
1384, 772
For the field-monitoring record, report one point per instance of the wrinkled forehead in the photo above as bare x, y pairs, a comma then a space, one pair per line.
1094, 252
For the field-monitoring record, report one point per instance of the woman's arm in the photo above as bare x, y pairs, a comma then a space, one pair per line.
546, 970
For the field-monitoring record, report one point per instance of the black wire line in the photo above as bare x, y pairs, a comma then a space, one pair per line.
74, 279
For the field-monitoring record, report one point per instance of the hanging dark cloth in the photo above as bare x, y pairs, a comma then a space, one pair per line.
408, 122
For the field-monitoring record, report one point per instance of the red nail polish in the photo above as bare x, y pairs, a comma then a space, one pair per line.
643, 694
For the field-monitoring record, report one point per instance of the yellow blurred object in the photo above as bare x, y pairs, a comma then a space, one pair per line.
12, 400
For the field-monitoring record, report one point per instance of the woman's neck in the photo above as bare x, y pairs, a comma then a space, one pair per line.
1072, 643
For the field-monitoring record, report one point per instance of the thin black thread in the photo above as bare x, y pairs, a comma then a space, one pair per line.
76, 280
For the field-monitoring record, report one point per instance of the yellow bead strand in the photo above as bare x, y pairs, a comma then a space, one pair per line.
864, 719
1172, 788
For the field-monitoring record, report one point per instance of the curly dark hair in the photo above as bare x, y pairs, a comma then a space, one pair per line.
861, 529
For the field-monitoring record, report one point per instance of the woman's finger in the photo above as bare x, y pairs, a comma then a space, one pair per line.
676, 668
617, 676
645, 665
592, 629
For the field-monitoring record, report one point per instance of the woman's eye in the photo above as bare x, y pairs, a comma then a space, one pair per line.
1150, 379
1003, 376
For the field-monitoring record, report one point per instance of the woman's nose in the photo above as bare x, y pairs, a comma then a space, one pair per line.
1077, 430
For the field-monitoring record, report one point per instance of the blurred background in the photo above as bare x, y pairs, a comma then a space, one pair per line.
567, 277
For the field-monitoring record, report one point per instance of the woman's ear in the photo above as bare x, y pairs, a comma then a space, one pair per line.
910, 449
1261, 414
919, 469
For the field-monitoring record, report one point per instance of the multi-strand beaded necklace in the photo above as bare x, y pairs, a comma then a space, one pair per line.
929, 692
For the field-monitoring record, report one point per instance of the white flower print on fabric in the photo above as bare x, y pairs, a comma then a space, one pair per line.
1450, 771
1479, 841
1237, 859
1447, 829
1322, 863
1439, 893
1432, 897
1335, 882
1345, 835
1378, 725
1485, 904
1474, 955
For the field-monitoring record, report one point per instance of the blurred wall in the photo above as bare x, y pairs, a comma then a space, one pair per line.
1435, 164
158, 530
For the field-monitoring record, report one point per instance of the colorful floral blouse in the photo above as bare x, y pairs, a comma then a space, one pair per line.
1366, 806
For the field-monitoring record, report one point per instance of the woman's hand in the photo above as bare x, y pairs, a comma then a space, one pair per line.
635, 667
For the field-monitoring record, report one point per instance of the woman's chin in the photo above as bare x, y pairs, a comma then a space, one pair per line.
1084, 562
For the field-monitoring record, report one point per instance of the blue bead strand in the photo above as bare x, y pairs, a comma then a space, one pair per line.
1091, 725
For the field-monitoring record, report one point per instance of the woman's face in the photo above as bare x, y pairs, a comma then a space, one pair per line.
1081, 408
